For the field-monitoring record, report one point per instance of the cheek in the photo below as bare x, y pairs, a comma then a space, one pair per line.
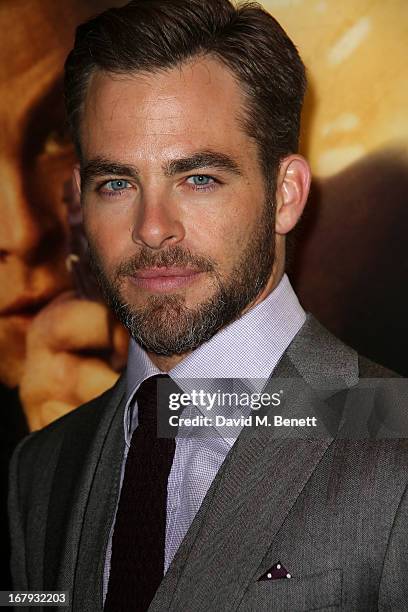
223, 236
108, 240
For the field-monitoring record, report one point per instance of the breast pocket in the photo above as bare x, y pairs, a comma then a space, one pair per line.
315, 592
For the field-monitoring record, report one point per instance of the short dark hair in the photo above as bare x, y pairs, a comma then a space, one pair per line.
151, 35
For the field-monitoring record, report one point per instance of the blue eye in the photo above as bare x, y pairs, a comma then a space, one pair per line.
117, 185
201, 180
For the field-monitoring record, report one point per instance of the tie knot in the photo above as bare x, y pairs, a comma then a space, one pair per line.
147, 403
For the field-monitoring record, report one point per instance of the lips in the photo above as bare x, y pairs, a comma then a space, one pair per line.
161, 280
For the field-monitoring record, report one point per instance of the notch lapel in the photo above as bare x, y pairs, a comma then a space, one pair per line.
79, 457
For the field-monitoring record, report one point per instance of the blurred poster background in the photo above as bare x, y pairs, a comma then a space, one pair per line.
349, 262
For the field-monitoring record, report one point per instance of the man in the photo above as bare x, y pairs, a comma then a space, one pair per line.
36, 158
186, 120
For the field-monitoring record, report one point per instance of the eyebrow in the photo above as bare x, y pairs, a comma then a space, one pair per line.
202, 159
102, 167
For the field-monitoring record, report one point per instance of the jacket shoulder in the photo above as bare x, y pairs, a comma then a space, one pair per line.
317, 353
370, 369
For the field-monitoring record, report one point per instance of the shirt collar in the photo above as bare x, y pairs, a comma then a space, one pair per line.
248, 348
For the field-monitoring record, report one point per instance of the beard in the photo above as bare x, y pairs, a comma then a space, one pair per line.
164, 325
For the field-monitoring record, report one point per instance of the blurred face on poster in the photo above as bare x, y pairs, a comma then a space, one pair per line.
35, 161
44, 329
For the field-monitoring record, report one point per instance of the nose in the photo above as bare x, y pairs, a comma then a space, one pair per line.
158, 222
27, 227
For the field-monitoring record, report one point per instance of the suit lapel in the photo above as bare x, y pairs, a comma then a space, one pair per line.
259, 482
79, 457
98, 517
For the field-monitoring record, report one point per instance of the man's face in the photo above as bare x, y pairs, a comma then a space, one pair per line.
35, 161
178, 218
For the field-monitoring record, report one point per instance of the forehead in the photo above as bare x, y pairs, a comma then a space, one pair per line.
199, 103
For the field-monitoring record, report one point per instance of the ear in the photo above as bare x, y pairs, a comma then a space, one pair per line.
293, 186
76, 179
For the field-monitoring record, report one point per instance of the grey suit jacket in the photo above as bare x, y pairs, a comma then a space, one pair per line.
332, 508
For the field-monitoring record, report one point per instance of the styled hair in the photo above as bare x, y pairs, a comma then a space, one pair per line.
153, 35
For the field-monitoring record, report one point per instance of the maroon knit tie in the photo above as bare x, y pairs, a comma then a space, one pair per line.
137, 563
